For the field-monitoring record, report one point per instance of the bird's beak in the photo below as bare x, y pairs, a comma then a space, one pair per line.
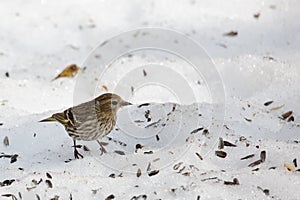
125, 103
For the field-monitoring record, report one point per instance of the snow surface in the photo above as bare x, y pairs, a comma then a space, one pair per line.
39, 38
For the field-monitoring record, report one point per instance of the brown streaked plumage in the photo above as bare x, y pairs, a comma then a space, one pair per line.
91, 120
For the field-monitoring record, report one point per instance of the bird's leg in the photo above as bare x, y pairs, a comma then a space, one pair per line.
102, 144
76, 153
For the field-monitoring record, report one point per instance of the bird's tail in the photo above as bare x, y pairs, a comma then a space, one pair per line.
49, 119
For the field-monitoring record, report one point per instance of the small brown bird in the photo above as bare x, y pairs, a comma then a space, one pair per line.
91, 120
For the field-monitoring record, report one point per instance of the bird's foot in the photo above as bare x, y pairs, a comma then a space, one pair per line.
77, 155
102, 149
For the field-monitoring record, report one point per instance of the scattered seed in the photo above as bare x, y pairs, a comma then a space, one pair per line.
110, 197
148, 152
142, 196
255, 163
112, 176
1, 124
198, 197
157, 137
229, 144
277, 108
38, 197
6, 141
49, 183
85, 148
139, 173
221, 143
105, 87
287, 114
153, 124
186, 174
14, 158
70, 196
144, 72
221, 154
247, 157
234, 182
272, 168
7, 182
205, 132
176, 166
289, 167
197, 130
20, 195
148, 116
55, 198
48, 175
231, 33
263, 155
268, 103
266, 191
122, 153
149, 167
144, 104
199, 156
153, 172
7, 74
255, 170
181, 170
138, 146
211, 178
247, 119
256, 15
291, 119
295, 162
13, 197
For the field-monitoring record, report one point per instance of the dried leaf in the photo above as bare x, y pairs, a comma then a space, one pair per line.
69, 71
289, 167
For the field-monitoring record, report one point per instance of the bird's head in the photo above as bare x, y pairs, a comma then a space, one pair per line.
110, 102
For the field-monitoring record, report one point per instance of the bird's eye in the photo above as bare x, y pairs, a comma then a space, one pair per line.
114, 103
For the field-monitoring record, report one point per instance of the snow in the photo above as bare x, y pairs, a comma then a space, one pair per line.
39, 38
